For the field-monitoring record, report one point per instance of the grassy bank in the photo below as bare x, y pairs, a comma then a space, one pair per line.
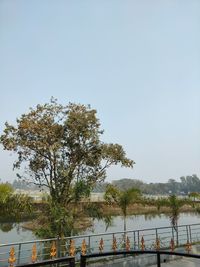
140, 209
114, 210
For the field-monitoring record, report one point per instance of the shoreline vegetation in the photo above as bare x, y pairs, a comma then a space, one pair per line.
114, 210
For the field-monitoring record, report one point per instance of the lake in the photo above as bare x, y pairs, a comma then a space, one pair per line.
19, 234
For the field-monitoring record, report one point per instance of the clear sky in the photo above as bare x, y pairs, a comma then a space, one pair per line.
136, 61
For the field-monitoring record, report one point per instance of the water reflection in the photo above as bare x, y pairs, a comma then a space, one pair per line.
152, 216
12, 232
7, 227
135, 222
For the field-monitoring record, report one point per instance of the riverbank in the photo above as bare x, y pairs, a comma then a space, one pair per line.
79, 225
140, 209
114, 210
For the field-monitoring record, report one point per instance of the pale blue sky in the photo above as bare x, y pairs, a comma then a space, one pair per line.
136, 62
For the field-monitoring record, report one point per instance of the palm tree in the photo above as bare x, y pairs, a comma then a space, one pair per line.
175, 205
122, 198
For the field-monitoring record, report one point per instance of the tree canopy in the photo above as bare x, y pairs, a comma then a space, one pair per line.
59, 147
62, 148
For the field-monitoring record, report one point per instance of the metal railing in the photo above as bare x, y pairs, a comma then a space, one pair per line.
148, 238
84, 258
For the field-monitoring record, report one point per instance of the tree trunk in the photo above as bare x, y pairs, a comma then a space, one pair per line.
124, 224
124, 231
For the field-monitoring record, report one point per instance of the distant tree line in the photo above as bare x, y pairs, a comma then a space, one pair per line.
187, 184
23, 185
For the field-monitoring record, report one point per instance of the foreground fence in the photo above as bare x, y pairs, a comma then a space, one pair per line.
75, 246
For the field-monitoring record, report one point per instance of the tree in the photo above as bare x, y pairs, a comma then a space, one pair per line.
174, 203
173, 186
61, 148
125, 184
190, 183
122, 198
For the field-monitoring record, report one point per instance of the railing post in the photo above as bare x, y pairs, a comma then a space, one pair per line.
89, 244
72, 262
177, 241
19, 254
187, 233
158, 259
83, 261
156, 233
138, 239
172, 233
190, 233
134, 245
58, 252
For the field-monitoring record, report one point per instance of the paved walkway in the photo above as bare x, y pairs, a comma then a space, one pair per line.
186, 262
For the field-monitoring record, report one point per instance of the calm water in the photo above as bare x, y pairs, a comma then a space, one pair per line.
143, 221
17, 233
